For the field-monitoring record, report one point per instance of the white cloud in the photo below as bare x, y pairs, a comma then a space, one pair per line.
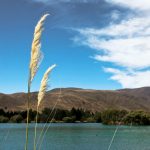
126, 44
130, 80
134, 4
137, 26
133, 53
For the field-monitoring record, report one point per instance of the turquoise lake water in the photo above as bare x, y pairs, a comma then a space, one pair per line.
79, 136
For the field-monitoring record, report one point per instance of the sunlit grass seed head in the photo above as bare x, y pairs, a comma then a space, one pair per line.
44, 84
36, 54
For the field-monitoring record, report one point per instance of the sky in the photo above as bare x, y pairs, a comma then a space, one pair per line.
96, 44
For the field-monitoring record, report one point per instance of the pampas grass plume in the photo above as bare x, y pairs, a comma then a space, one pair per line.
36, 54
44, 84
36, 57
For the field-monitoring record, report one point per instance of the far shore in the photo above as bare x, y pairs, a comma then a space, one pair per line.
76, 115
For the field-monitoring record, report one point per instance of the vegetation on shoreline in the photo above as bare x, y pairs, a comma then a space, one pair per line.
109, 117
68, 116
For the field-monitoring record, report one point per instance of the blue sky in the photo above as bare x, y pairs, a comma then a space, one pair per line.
96, 44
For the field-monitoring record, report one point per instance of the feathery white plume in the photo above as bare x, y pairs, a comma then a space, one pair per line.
44, 84
36, 54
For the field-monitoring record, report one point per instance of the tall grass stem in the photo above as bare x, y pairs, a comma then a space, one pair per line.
42, 134
35, 129
111, 142
28, 100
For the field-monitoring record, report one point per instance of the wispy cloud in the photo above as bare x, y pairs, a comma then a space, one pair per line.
125, 44
130, 79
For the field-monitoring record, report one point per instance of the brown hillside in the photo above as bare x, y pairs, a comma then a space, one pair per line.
94, 100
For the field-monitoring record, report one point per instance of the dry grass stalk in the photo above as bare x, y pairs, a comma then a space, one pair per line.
36, 56
41, 94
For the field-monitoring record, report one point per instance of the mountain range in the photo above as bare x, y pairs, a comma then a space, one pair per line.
93, 100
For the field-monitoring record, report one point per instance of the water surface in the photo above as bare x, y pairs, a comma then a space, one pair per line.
79, 136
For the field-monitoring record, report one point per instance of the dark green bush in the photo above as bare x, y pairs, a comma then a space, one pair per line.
98, 117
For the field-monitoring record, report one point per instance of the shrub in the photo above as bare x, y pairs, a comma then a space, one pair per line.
90, 120
3, 119
69, 119
137, 118
16, 119
113, 116
98, 117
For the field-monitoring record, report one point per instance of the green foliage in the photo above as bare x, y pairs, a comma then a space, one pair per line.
2, 112
69, 119
78, 113
90, 120
16, 119
32, 114
137, 118
110, 116
113, 116
60, 114
4, 119
98, 117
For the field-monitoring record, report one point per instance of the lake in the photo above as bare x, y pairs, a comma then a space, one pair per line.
79, 136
